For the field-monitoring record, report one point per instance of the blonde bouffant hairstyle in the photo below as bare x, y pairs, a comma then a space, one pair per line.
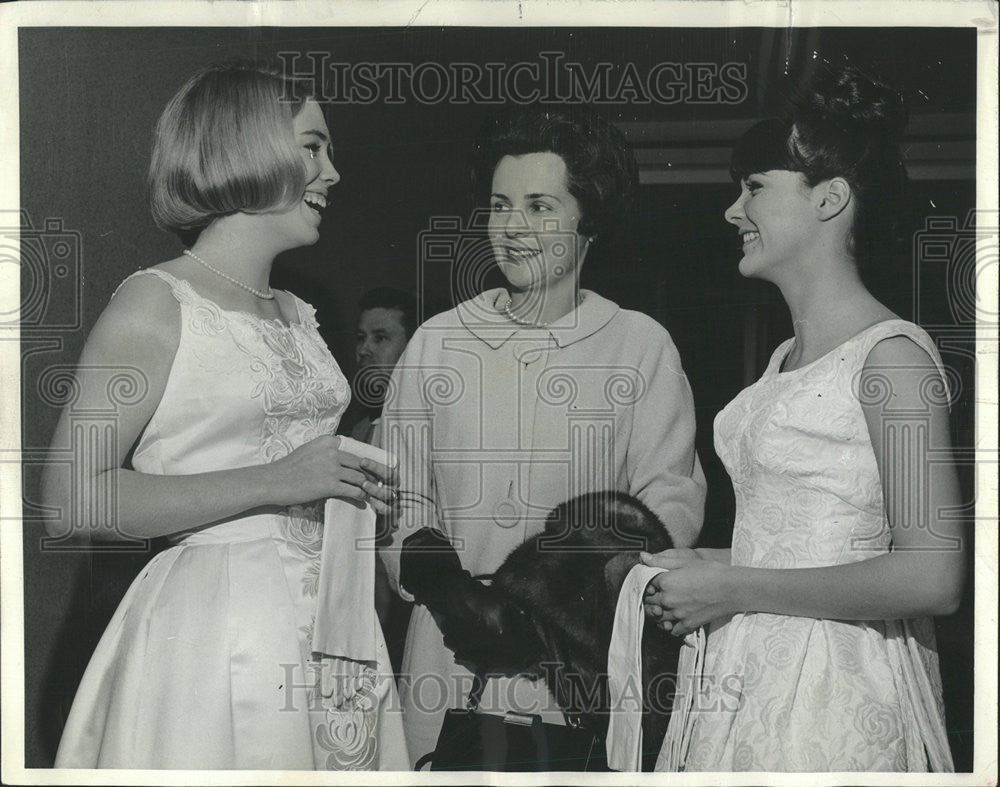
224, 145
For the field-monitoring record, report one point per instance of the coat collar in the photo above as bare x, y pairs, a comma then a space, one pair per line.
485, 319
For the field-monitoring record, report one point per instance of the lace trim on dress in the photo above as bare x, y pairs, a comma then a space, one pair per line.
185, 293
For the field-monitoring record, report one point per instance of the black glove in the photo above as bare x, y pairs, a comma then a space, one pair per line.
478, 622
430, 569
481, 625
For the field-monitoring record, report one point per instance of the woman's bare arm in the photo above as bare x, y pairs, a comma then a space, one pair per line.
924, 572
91, 494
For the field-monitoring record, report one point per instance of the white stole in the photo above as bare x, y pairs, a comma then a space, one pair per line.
345, 606
624, 741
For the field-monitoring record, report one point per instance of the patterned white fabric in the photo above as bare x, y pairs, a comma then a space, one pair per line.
207, 662
786, 693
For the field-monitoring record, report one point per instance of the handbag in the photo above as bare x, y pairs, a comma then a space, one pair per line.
473, 741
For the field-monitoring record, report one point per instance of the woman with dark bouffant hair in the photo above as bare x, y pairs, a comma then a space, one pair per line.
227, 448
821, 652
524, 397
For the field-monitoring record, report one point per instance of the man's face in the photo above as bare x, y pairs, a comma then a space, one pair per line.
381, 338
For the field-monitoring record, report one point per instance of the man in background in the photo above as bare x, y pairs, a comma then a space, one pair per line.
387, 319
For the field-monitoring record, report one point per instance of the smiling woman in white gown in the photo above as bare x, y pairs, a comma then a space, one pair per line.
821, 655
207, 662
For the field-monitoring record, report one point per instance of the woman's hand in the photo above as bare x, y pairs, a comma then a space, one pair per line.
690, 592
339, 680
320, 469
382, 486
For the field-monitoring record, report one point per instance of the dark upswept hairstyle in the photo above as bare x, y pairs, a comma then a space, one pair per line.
840, 123
224, 145
391, 298
601, 171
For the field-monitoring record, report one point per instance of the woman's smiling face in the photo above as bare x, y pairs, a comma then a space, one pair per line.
775, 218
299, 226
533, 221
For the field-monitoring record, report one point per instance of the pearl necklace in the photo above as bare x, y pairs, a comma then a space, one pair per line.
528, 323
521, 320
267, 296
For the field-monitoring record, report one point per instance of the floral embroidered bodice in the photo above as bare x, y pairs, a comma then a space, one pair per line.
806, 694
280, 385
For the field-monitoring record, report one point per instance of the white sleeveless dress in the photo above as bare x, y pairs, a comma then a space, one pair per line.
782, 693
206, 663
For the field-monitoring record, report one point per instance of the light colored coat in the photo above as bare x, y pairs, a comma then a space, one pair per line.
495, 424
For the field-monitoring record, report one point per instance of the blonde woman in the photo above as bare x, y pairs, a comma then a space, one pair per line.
229, 453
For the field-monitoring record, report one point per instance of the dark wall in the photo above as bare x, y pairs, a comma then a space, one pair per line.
90, 98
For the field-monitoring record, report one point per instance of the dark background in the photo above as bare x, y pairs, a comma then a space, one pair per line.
89, 99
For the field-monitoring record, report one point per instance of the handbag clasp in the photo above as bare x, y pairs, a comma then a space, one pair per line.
522, 719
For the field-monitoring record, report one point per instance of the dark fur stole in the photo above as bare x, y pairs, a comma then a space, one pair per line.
550, 609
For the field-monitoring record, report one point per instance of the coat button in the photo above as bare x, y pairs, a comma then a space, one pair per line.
506, 514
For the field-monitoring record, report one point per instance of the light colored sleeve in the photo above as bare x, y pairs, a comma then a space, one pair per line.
405, 432
663, 468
